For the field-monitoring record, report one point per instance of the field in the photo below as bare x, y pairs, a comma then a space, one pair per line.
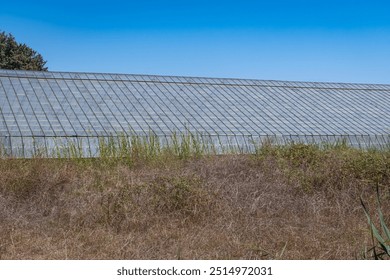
290, 202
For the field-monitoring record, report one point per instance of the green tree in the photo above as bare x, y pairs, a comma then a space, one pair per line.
16, 56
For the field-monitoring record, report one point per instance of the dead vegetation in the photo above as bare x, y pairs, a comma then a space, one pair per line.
295, 202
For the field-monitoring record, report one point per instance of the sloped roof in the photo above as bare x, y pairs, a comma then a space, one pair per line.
90, 104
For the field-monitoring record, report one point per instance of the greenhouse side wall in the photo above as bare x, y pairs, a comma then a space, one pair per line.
92, 146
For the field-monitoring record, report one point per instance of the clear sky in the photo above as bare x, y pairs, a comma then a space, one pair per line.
344, 41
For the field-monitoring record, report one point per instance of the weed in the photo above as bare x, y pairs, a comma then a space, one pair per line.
382, 236
179, 195
147, 197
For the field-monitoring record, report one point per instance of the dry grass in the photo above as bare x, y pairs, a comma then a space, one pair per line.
284, 203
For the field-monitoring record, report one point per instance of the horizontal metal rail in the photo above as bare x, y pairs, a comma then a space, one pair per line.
205, 134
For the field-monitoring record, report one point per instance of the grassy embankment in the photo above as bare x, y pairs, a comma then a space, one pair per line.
146, 202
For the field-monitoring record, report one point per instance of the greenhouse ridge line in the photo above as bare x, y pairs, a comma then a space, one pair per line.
157, 80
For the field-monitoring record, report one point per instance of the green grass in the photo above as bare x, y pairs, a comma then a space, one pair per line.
381, 236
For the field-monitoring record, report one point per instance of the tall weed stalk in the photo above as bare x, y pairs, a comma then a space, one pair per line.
380, 237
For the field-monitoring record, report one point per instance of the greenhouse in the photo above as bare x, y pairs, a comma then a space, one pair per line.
45, 112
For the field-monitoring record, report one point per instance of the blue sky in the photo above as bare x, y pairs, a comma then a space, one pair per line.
343, 41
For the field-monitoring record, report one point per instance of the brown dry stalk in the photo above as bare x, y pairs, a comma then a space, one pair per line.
298, 204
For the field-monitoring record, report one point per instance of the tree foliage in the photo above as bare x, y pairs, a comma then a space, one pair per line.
17, 56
